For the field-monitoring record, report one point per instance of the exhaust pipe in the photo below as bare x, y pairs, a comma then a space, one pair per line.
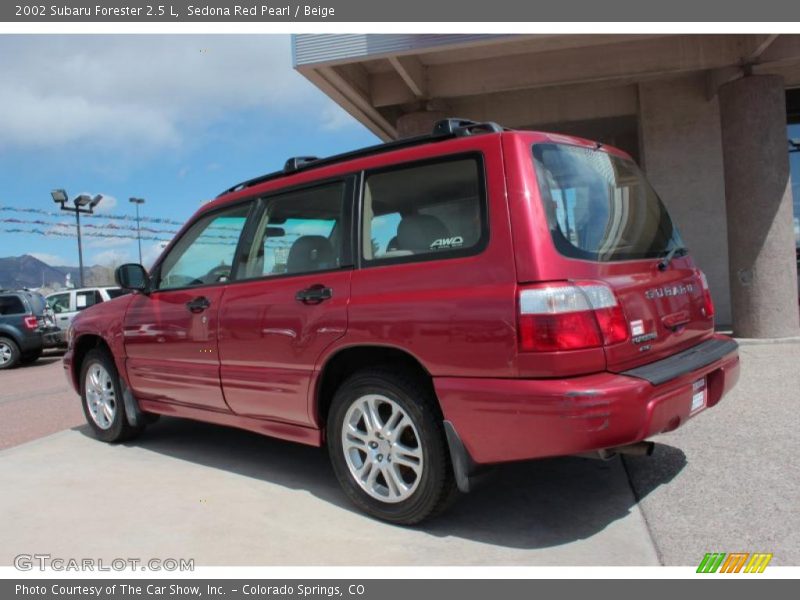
635, 449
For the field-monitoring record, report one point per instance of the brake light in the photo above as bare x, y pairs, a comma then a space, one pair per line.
569, 316
31, 322
708, 303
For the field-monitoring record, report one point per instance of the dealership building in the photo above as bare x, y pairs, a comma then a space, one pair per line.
705, 115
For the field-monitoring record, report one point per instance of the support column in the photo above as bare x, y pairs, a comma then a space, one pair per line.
758, 194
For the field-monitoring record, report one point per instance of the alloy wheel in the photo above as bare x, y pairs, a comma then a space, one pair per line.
101, 397
382, 448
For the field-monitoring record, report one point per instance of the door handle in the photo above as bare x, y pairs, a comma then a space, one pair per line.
314, 294
198, 305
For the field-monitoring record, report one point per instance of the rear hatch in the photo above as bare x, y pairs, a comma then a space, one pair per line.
39, 309
666, 313
602, 212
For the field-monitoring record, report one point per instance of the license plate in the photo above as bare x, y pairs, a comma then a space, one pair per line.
699, 395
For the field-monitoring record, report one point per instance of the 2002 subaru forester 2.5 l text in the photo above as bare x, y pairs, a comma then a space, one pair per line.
424, 307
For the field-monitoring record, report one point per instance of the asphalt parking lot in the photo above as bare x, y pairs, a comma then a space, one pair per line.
724, 482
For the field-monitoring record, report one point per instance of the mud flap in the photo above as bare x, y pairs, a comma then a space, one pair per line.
133, 413
467, 472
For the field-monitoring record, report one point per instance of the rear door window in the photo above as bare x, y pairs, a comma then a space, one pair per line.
87, 299
424, 211
600, 206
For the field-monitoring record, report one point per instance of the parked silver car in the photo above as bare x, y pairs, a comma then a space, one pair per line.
68, 303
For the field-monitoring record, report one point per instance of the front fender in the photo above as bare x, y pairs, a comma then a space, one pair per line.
104, 322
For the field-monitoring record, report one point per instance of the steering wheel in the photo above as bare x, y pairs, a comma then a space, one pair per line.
218, 274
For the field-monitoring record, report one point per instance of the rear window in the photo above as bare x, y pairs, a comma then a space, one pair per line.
37, 302
600, 207
11, 305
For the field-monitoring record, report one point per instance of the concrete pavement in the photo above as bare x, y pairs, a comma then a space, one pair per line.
724, 482
226, 497
736, 483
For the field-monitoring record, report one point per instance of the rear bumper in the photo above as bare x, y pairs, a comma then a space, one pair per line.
31, 342
54, 338
500, 420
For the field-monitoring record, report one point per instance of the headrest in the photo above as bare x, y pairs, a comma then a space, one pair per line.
418, 232
310, 253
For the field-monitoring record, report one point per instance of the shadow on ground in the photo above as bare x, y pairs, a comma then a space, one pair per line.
41, 362
528, 505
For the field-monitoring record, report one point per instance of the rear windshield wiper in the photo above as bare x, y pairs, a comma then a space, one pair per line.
664, 262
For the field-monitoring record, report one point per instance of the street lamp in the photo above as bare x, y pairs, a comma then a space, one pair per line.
137, 202
82, 204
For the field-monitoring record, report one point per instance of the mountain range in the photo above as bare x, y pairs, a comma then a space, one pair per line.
27, 271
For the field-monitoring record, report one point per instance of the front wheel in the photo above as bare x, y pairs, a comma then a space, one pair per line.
9, 353
101, 395
388, 447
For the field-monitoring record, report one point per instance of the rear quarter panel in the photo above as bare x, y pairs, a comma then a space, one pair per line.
456, 315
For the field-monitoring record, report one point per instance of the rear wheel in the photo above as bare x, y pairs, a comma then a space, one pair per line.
9, 353
388, 447
102, 400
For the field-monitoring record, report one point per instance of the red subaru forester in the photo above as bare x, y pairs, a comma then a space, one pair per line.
425, 308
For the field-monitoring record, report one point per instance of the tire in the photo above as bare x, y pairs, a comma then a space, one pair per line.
101, 398
400, 474
9, 353
31, 358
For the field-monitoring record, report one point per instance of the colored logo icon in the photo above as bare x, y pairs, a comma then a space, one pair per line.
735, 562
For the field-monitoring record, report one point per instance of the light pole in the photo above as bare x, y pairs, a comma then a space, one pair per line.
137, 202
82, 204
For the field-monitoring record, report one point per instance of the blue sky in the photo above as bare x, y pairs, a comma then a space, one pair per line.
172, 119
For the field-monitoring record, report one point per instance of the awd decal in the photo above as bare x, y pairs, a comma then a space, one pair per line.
451, 242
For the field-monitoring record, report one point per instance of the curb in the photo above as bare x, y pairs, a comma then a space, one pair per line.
767, 341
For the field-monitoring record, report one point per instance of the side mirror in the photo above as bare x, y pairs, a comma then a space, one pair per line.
132, 276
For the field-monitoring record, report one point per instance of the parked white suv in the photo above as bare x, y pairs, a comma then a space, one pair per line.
68, 303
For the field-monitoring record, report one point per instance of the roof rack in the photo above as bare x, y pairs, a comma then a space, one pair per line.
294, 163
464, 127
442, 130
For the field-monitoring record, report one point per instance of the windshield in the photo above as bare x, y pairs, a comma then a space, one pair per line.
600, 207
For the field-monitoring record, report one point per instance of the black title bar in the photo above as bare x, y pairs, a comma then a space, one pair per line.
458, 11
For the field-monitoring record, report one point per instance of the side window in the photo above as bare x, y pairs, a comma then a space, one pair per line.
422, 210
205, 253
87, 299
299, 232
11, 305
59, 303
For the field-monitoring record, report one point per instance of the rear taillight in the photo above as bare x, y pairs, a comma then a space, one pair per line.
708, 303
569, 316
31, 322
